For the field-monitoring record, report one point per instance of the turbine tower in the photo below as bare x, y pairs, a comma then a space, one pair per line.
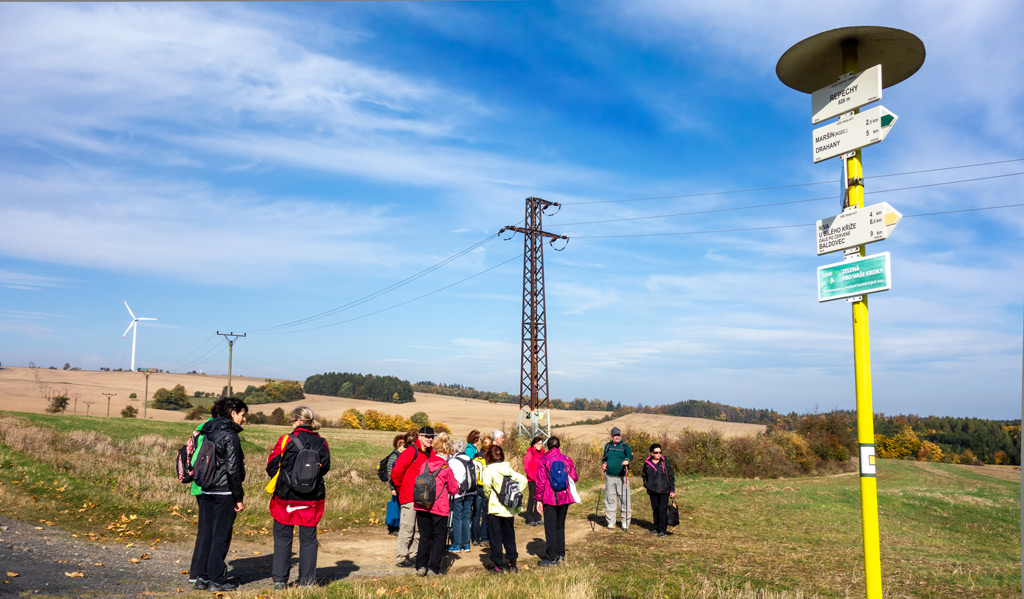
134, 328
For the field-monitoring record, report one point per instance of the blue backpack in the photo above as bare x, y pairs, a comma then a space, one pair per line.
558, 476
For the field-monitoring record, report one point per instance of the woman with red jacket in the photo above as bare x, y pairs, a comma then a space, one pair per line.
403, 476
432, 519
533, 454
290, 506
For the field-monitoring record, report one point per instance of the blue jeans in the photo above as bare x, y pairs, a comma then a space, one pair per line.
479, 528
462, 510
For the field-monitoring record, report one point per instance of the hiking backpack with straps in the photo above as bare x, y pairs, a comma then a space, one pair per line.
424, 489
382, 468
204, 467
305, 470
509, 495
183, 460
558, 476
469, 484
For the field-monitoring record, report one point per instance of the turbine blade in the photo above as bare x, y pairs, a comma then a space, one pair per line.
129, 309
128, 329
141, 318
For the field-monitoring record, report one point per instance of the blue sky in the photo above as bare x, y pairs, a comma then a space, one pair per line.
236, 167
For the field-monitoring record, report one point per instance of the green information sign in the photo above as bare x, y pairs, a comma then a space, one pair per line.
854, 277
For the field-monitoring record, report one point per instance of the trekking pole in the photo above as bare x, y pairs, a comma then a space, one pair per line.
597, 505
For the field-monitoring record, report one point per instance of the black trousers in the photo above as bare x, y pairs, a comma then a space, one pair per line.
308, 547
216, 519
659, 507
433, 534
554, 530
501, 531
531, 504
201, 540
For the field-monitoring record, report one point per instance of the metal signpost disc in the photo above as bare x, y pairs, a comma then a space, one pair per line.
817, 61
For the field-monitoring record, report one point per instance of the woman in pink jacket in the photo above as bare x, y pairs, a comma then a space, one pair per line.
432, 520
555, 474
533, 454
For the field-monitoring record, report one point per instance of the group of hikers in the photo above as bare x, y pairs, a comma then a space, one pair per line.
441, 488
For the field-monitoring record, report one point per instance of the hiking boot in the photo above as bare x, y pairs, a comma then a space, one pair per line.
547, 562
560, 559
421, 571
192, 580
432, 573
406, 563
221, 587
494, 570
662, 534
512, 567
280, 586
201, 585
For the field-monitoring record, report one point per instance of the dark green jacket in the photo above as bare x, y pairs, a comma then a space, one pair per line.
613, 456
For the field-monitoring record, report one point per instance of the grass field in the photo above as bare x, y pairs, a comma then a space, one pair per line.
946, 531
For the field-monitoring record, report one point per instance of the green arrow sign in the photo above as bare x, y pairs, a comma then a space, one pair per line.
869, 274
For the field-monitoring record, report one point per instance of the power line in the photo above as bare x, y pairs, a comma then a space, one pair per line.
790, 186
379, 292
765, 228
774, 204
409, 301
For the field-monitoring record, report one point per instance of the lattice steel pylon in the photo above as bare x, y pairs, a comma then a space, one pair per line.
534, 403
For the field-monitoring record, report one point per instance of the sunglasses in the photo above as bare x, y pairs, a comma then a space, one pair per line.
656, 452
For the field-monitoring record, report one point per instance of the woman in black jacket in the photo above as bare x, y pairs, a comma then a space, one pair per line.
222, 500
660, 482
296, 500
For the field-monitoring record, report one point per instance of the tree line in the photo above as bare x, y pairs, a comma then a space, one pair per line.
457, 390
358, 386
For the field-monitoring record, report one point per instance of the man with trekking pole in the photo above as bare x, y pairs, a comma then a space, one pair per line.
615, 464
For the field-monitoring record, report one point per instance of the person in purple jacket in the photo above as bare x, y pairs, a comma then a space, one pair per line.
555, 473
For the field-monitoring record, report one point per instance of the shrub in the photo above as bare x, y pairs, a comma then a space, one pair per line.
440, 427
276, 417
129, 412
175, 399
198, 413
351, 418
929, 452
256, 418
58, 404
420, 419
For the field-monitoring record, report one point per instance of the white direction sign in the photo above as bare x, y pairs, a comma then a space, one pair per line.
852, 133
851, 91
856, 226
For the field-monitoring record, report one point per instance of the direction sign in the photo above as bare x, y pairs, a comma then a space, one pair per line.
852, 133
856, 227
851, 91
854, 277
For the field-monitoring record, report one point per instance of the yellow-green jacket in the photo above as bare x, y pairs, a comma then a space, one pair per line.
492, 477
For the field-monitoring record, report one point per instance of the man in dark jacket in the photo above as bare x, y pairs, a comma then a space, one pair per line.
403, 476
615, 461
221, 501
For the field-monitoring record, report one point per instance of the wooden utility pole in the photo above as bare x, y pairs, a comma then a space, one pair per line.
108, 402
231, 337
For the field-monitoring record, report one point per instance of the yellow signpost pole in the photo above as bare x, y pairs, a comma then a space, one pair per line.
810, 66
862, 374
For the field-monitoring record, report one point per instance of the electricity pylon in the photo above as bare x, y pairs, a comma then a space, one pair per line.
534, 403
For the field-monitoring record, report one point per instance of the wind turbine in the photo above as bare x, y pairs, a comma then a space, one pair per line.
134, 328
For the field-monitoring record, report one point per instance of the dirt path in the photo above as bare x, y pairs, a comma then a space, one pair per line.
37, 560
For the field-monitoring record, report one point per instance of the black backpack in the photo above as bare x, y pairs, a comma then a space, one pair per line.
470, 484
382, 468
204, 469
509, 495
305, 470
183, 460
424, 490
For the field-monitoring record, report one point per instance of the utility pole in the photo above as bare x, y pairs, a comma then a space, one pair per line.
231, 337
108, 402
87, 404
534, 402
145, 398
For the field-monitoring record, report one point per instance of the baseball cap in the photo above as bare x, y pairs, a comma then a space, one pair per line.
616, 431
427, 431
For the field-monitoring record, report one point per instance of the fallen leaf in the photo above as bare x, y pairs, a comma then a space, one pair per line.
144, 556
13, 574
130, 545
381, 590
179, 590
255, 552
98, 564
74, 574
134, 560
183, 572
